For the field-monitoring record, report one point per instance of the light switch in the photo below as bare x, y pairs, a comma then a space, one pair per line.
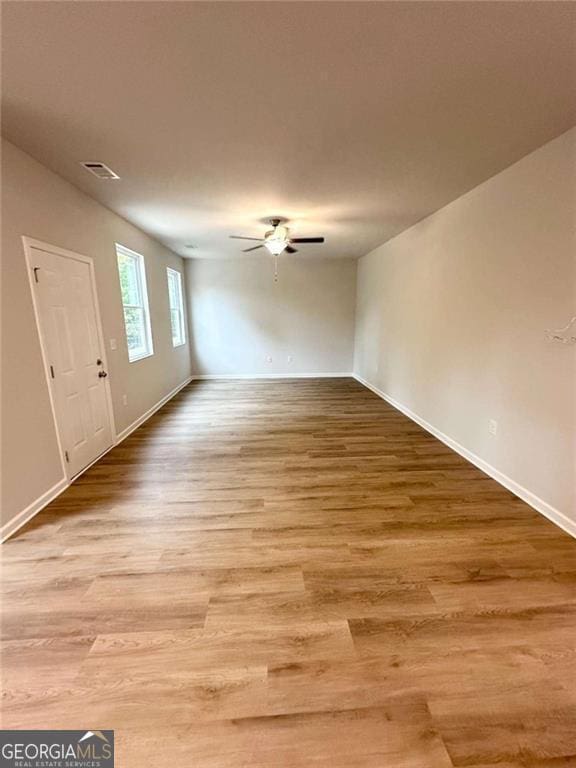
112, 344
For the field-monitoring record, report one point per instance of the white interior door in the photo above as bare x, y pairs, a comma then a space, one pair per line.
71, 339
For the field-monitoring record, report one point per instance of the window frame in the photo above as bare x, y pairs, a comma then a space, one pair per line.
174, 273
142, 287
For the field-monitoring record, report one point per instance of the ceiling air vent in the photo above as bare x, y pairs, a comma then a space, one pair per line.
100, 170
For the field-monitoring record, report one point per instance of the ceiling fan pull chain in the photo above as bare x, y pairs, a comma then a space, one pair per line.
275, 269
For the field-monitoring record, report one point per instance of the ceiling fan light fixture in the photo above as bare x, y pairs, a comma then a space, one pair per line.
276, 247
276, 241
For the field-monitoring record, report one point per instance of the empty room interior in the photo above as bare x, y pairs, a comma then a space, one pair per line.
288, 384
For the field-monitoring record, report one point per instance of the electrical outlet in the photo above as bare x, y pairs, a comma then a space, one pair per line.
268, 358
124, 399
112, 344
290, 358
493, 427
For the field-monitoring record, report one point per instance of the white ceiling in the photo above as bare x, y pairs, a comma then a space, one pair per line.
354, 120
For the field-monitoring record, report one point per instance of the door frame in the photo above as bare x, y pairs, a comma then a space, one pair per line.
29, 243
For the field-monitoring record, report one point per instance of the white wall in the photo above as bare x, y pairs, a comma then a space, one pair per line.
451, 317
239, 316
40, 204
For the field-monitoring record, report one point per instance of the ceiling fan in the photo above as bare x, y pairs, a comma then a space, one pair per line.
277, 240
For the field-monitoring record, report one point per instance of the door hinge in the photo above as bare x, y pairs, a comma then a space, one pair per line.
67, 457
35, 270
52, 372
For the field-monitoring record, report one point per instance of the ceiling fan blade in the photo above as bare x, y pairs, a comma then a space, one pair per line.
254, 248
289, 249
306, 239
241, 237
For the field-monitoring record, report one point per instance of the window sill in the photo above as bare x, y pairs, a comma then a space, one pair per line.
136, 358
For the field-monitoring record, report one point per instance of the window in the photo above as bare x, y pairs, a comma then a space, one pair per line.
135, 301
176, 307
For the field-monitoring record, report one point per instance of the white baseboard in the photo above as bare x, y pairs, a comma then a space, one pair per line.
151, 411
553, 514
32, 509
248, 376
20, 519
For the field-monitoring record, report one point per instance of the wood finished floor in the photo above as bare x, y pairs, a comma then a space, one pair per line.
292, 573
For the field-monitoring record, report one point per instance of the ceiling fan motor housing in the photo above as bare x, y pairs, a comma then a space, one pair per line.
278, 233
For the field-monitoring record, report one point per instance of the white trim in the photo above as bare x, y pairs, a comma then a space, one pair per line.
248, 376
9, 528
151, 411
29, 243
553, 514
21, 518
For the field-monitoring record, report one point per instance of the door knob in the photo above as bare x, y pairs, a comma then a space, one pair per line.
102, 374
